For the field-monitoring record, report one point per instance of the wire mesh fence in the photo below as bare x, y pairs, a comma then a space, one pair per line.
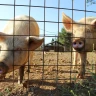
49, 69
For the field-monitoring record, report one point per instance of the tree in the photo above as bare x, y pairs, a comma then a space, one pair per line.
91, 1
52, 41
64, 38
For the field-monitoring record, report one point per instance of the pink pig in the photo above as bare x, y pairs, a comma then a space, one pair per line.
17, 42
84, 35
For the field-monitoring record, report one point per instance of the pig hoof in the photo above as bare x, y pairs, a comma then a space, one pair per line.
19, 82
25, 84
80, 76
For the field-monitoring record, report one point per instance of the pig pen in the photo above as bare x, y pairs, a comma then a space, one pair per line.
49, 72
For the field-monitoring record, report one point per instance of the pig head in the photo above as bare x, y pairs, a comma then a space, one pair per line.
14, 51
17, 45
83, 37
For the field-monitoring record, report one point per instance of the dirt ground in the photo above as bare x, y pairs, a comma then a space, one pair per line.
49, 70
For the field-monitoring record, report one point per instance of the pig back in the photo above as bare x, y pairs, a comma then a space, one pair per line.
20, 26
86, 20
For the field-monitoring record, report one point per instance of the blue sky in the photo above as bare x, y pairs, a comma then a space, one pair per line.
51, 14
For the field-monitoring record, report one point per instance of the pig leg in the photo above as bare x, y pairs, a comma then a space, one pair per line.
75, 60
81, 73
30, 60
3, 70
21, 74
31, 56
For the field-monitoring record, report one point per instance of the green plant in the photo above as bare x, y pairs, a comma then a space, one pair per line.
1, 94
8, 90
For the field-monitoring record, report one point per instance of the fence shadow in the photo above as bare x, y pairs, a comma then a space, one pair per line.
47, 88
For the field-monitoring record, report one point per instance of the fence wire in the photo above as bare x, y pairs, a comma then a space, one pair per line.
50, 67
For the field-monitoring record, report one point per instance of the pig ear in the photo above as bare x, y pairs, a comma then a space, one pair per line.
67, 22
2, 36
34, 42
93, 24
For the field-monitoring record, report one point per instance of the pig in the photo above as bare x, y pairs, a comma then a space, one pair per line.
18, 40
75, 60
75, 57
83, 38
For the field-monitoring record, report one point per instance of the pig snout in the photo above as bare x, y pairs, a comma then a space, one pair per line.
78, 45
3, 70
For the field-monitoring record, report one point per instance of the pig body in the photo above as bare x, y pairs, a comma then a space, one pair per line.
22, 23
17, 42
84, 34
